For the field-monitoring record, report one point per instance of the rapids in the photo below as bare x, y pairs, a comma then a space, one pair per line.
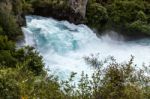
63, 45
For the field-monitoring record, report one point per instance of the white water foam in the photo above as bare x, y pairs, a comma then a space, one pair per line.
63, 45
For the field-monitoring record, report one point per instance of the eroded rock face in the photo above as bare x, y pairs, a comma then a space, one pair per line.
79, 6
72, 10
14, 8
6, 5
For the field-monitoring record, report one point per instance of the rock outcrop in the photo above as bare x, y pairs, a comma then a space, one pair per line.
79, 6
71, 10
13, 8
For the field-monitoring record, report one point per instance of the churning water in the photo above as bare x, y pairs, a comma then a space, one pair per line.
63, 45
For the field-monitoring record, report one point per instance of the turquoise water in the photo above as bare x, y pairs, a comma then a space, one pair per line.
63, 45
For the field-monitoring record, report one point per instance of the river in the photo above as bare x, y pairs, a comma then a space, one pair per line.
63, 45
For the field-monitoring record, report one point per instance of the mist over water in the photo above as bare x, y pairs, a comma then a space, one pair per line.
63, 45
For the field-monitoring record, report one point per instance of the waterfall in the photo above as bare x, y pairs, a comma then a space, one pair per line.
63, 45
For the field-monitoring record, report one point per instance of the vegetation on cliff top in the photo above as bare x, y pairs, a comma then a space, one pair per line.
131, 17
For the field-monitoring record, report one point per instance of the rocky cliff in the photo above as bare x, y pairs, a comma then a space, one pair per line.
13, 8
11, 18
79, 6
71, 10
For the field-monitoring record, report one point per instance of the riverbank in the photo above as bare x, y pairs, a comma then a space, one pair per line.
129, 18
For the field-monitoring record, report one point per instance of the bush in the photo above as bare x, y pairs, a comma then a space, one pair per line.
111, 80
34, 61
9, 88
1, 30
6, 44
9, 25
119, 15
97, 15
139, 26
10, 56
21, 83
123, 14
6, 50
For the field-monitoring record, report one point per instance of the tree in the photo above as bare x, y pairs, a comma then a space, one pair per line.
97, 15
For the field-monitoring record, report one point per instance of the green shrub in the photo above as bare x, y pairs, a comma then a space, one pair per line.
6, 50
1, 30
9, 25
34, 61
97, 15
116, 81
9, 88
6, 44
119, 15
10, 56
139, 26
6, 58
